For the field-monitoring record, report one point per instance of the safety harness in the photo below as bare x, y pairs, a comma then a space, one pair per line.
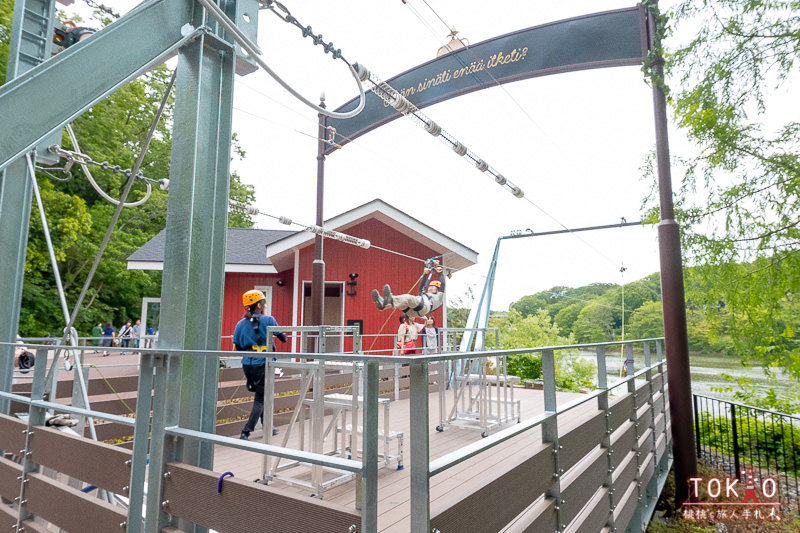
255, 321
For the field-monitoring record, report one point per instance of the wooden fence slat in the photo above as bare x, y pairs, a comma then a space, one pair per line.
9, 484
531, 479
646, 442
71, 509
8, 522
12, 438
622, 441
646, 471
93, 462
592, 476
579, 441
547, 520
595, 514
623, 514
620, 411
244, 506
623, 476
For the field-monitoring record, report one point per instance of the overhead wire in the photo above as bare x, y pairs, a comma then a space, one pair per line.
391, 96
530, 118
335, 235
384, 156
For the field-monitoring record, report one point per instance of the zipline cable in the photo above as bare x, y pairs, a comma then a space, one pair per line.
392, 97
383, 90
254, 52
335, 235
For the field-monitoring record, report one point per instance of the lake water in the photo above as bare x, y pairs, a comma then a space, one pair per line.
707, 374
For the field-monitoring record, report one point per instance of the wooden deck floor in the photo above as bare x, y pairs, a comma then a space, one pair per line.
394, 485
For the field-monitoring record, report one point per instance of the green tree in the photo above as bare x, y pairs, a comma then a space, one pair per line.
529, 305
594, 324
733, 86
647, 322
6, 15
567, 317
517, 331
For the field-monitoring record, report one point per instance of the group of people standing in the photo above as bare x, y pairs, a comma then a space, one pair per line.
104, 335
415, 337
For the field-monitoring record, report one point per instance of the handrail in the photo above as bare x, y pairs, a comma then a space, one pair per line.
453, 458
251, 446
68, 409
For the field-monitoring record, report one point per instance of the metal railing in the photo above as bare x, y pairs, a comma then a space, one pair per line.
647, 376
735, 438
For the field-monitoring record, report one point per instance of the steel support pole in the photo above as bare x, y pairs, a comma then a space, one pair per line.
420, 452
369, 478
16, 192
197, 216
197, 219
29, 45
318, 268
673, 299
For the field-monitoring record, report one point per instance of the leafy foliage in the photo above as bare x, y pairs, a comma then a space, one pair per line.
538, 329
6, 15
763, 439
737, 201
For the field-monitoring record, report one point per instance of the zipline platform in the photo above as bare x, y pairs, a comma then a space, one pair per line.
394, 507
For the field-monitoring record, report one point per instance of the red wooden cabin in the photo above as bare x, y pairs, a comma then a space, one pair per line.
278, 262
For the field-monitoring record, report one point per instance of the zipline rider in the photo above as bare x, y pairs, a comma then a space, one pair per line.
431, 296
250, 335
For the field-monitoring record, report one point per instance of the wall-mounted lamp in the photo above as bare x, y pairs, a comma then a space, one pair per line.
280, 283
351, 285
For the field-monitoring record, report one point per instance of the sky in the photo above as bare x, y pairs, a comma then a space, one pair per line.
573, 142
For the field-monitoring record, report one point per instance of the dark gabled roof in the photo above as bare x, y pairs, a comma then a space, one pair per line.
244, 247
459, 257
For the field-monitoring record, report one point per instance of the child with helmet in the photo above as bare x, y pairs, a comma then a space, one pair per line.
250, 335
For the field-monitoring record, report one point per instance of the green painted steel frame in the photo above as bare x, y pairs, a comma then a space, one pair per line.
29, 46
196, 213
92, 69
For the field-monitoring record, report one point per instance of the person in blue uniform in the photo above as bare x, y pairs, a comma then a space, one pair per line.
250, 335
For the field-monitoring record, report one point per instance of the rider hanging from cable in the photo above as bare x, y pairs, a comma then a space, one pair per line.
430, 298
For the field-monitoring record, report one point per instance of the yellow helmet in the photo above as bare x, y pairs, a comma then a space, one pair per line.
436, 284
252, 297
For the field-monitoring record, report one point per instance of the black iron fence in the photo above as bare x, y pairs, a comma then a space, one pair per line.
739, 439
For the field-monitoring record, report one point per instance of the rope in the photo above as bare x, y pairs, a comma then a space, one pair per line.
113, 390
219, 482
390, 316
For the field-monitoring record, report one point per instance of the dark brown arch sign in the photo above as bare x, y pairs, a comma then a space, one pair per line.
608, 39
